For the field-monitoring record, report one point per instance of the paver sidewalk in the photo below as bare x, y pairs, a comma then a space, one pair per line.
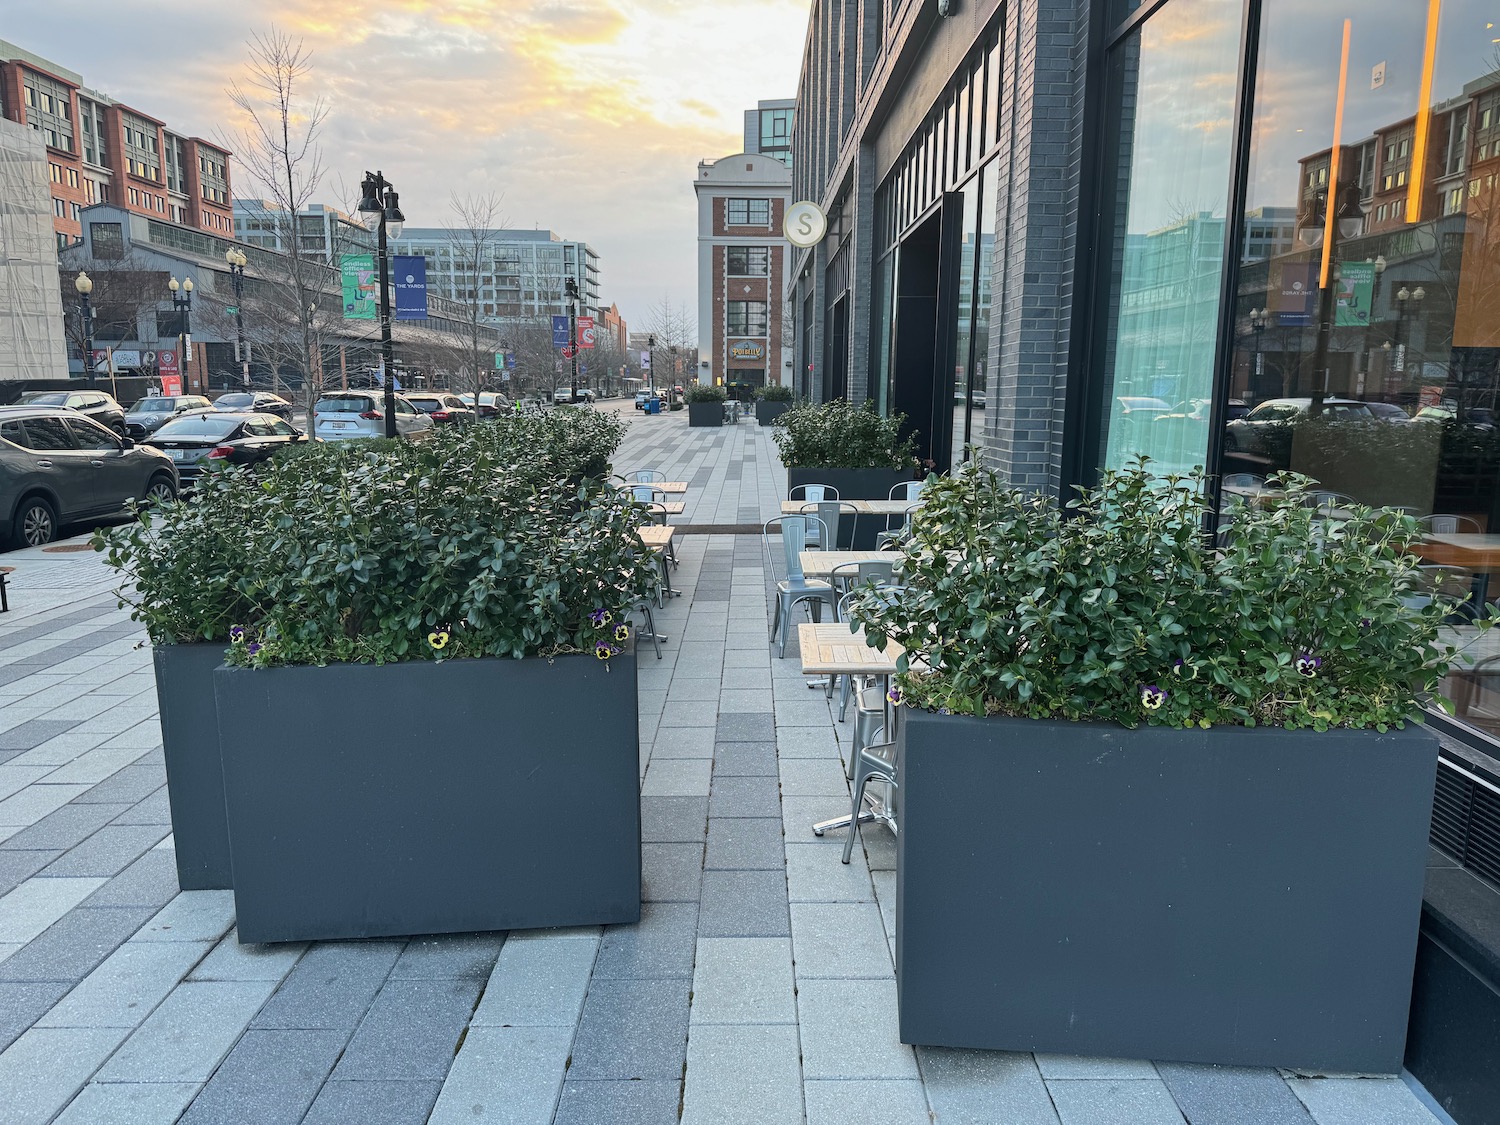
758, 986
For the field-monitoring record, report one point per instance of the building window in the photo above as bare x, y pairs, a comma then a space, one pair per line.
746, 318
749, 212
749, 261
60, 207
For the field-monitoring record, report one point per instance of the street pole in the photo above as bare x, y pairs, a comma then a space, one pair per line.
1345, 200
183, 306
572, 291
85, 285
237, 260
381, 209
651, 364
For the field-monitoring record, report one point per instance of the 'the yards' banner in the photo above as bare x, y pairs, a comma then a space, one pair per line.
411, 287
361, 286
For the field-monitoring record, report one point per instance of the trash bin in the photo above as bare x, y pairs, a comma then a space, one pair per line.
653, 406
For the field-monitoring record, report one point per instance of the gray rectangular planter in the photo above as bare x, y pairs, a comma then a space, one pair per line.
766, 413
415, 798
1230, 896
705, 413
855, 484
190, 744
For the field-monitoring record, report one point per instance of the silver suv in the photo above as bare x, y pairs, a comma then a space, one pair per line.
342, 415
152, 412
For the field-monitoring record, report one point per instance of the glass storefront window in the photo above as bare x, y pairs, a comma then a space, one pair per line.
1367, 353
1173, 83
971, 350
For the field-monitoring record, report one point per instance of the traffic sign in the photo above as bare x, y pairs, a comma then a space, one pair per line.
569, 351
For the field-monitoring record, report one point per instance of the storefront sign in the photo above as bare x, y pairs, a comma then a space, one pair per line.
747, 349
361, 286
411, 287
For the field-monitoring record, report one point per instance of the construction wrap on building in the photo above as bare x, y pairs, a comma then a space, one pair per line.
33, 344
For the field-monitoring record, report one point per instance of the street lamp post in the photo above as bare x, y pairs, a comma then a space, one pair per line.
1403, 295
381, 209
651, 363
85, 285
237, 261
1312, 224
1259, 318
182, 305
571, 288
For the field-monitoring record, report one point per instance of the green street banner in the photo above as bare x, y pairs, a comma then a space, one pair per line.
361, 286
1355, 288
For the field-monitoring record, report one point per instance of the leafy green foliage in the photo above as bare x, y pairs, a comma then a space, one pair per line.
1128, 613
701, 392
836, 435
493, 540
774, 392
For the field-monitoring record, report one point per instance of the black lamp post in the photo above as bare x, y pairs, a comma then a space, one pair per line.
237, 261
380, 208
1312, 225
1259, 318
571, 288
1403, 296
651, 362
85, 285
182, 305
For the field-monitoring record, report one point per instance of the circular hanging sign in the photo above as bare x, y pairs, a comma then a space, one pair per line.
805, 224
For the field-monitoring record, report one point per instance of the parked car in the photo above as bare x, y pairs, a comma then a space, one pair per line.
443, 408
97, 405
1142, 408
565, 395
151, 412
341, 415
1267, 430
58, 467
256, 402
491, 405
1478, 416
1388, 412
199, 440
642, 398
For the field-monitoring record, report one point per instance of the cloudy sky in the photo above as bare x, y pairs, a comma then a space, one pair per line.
589, 115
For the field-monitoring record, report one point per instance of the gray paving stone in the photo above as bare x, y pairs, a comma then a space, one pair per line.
744, 796
671, 872
389, 1103
744, 844
744, 980
698, 714
505, 1076
109, 850
127, 986
229, 960
128, 1103
758, 658
269, 1078
703, 690
818, 741
816, 872
410, 1031
65, 828
964, 1087
1075, 1066
1360, 1101
677, 777
332, 987
150, 881
739, 679
73, 945
745, 759
746, 700
1108, 1101
16, 866
673, 820
745, 727
34, 732
659, 946
632, 1029
869, 1103
1232, 1095
840, 940
189, 1033
744, 904
683, 742
129, 785
849, 1030
538, 983
42, 1070
154, 809
619, 1103
449, 956
746, 1075
192, 916
813, 777
22, 1003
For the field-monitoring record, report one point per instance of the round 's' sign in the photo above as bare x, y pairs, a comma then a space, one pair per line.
805, 224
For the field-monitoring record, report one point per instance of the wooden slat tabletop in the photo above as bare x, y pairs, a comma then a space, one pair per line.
819, 564
831, 649
655, 536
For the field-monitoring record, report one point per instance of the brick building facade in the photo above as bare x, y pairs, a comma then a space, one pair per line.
100, 151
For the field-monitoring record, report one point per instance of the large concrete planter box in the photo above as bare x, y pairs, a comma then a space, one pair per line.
1231, 896
415, 798
195, 781
766, 413
855, 484
705, 413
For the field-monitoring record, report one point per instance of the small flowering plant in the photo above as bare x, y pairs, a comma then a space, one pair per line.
1126, 611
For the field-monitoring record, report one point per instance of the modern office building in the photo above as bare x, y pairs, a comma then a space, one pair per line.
101, 151
768, 128
522, 274
325, 232
32, 341
743, 264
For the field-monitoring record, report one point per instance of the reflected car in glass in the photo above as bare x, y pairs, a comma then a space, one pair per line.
97, 405
1141, 407
1266, 430
198, 441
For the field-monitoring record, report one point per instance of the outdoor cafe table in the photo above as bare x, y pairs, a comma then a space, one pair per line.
670, 487
863, 507
658, 537
820, 564
1479, 553
832, 650
669, 507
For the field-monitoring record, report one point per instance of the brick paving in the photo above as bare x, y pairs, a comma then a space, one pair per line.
758, 986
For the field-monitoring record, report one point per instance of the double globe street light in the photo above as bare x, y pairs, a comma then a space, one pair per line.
182, 305
380, 209
237, 262
84, 285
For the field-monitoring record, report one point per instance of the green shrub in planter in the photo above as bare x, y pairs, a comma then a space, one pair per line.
676, 404
701, 392
836, 435
774, 392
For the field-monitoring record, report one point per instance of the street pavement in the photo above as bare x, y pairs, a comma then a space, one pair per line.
758, 986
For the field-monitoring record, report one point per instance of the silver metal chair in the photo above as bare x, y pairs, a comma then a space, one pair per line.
894, 535
1450, 525
1244, 480
832, 513
655, 499
813, 493
647, 476
796, 586
873, 763
845, 579
908, 490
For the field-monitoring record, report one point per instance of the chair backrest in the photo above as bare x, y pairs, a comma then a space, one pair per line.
648, 476
830, 512
794, 531
878, 572
813, 493
647, 494
1451, 525
1244, 480
907, 490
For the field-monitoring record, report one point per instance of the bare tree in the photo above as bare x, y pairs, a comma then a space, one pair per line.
676, 342
472, 238
277, 145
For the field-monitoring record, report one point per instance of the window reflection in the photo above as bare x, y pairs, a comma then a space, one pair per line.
1368, 324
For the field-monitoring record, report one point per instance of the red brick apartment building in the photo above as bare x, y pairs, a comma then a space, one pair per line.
100, 151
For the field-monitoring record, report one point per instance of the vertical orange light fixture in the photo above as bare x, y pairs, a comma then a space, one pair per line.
1331, 203
1424, 117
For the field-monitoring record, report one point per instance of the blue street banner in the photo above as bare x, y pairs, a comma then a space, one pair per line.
559, 331
411, 286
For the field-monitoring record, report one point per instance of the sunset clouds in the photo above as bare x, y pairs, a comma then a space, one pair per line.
590, 115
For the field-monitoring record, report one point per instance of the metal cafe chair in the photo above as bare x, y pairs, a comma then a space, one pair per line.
845, 579
813, 493
832, 513
908, 490
1449, 525
872, 763
647, 476
655, 499
1451, 585
796, 586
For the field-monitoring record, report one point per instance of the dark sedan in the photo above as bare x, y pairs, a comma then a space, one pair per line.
97, 405
213, 437
255, 402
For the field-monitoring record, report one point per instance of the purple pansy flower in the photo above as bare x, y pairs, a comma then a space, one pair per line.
237, 633
894, 695
1152, 697
252, 648
600, 618
1307, 664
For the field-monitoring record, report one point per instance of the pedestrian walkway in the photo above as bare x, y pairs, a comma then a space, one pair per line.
758, 986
